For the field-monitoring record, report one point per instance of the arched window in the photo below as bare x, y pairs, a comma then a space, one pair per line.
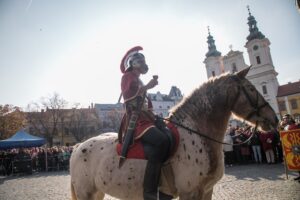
258, 60
234, 69
264, 89
213, 73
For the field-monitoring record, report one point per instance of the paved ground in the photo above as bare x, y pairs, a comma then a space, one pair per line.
259, 182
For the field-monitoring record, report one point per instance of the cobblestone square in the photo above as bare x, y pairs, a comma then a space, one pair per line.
259, 182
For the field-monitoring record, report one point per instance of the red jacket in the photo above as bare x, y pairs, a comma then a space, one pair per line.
266, 140
130, 86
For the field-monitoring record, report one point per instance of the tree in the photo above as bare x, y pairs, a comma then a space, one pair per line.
83, 123
46, 115
115, 117
12, 119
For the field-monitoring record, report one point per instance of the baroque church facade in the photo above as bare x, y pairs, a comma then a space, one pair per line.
262, 73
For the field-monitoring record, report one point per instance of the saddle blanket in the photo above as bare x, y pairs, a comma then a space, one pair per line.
136, 150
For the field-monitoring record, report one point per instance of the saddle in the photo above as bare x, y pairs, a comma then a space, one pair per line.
136, 150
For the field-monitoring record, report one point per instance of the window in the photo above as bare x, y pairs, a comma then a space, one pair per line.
294, 104
297, 117
264, 89
258, 60
234, 69
281, 105
213, 73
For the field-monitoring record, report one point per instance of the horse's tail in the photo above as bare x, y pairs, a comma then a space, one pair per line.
73, 195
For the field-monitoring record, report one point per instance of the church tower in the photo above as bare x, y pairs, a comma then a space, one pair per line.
234, 61
262, 74
213, 61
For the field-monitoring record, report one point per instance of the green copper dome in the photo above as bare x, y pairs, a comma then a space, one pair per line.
254, 32
212, 49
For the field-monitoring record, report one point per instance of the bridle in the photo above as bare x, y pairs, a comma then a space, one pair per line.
254, 104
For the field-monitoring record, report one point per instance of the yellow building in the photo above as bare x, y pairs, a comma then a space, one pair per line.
288, 98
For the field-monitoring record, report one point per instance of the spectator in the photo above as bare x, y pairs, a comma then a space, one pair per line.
266, 139
228, 149
245, 151
231, 131
237, 148
256, 147
277, 147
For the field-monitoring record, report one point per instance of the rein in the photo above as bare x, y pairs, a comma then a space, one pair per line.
207, 137
254, 104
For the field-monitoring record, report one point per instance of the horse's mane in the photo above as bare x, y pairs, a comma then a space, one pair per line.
201, 98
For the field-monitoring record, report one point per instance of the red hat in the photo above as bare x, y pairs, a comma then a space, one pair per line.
124, 63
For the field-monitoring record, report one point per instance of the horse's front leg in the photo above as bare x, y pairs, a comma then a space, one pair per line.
208, 195
194, 195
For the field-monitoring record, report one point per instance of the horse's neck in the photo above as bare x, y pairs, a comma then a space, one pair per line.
205, 114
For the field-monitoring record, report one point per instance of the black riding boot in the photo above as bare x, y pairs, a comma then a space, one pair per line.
151, 180
163, 196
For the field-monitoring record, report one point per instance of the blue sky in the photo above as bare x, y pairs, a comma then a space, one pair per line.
75, 47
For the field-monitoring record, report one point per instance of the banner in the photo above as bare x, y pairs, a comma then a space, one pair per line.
291, 148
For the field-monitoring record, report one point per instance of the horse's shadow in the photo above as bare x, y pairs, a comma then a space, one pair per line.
256, 172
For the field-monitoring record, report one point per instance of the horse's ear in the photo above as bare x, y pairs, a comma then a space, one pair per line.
244, 72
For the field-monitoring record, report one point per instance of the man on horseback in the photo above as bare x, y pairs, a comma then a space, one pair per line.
138, 122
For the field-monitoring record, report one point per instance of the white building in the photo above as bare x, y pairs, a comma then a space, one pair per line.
262, 73
162, 103
110, 115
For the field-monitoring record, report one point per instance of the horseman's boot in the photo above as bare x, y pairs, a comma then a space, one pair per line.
151, 180
163, 196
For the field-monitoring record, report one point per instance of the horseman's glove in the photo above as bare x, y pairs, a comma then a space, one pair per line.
159, 122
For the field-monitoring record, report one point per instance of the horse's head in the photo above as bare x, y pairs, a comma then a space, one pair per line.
249, 104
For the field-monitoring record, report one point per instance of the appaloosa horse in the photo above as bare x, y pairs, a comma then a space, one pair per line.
198, 163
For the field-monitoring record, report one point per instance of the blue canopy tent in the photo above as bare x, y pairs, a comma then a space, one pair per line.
22, 140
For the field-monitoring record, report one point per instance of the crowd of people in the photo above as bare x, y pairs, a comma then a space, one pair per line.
249, 146
259, 147
28, 160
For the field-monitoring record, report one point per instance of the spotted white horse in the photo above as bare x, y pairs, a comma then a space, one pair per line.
198, 163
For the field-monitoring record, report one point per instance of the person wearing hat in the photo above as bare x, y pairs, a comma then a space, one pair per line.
138, 122
288, 122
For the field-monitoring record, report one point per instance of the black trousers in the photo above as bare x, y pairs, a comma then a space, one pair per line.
156, 145
229, 157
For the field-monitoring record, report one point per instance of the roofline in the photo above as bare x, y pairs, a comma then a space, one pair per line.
289, 94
